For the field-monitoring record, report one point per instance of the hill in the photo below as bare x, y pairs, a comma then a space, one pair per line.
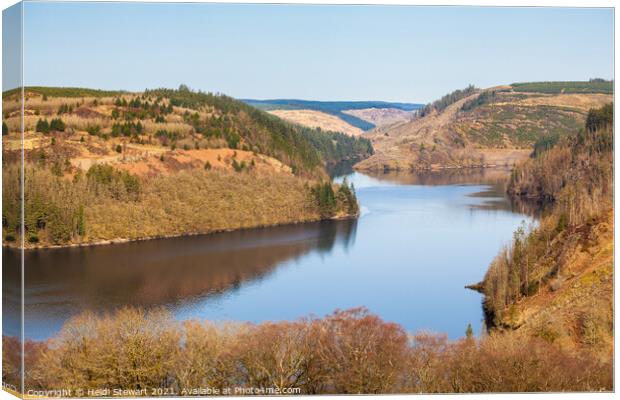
106, 166
381, 116
474, 127
317, 119
358, 114
555, 281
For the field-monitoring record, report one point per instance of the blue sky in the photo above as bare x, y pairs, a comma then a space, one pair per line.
397, 53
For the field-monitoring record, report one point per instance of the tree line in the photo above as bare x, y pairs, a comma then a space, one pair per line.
486, 97
591, 86
445, 101
347, 352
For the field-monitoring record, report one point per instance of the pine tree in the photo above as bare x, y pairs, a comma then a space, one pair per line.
5, 129
42, 126
81, 230
469, 332
57, 124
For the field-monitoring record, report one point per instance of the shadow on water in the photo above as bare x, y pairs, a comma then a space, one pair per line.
62, 282
341, 168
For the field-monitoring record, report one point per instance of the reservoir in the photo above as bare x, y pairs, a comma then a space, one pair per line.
420, 239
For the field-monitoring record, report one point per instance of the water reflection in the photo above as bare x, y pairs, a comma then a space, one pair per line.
62, 282
11, 292
492, 183
463, 176
420, 239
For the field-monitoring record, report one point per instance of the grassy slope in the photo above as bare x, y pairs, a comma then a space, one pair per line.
495, 126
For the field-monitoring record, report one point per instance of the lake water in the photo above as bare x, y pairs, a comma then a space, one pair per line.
419, 240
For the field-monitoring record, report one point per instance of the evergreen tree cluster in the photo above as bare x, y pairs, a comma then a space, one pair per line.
56, 124
325, 198
65, 109
239, 166
127, 129
485, 97
600, 118
120, 184
165, 137
305, 150
336, 146
94, 130
331, 202
142, 108
445, 101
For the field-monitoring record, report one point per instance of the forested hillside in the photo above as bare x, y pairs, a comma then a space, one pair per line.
555, 281
100, 166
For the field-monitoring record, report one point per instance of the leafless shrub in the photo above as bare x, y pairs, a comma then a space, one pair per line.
347, 352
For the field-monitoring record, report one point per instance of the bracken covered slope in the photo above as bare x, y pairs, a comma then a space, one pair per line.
491, 127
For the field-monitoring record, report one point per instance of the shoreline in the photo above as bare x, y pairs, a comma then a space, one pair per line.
110, 242
115, 241
433, 168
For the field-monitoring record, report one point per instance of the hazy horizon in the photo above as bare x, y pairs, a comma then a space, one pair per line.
411, 54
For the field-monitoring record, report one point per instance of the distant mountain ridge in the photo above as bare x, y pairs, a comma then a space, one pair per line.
335, 108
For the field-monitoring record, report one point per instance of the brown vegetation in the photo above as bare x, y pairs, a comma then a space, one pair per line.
494, 127
165, 162
107, 204
346, 352
317, 119
381, 116
555, 281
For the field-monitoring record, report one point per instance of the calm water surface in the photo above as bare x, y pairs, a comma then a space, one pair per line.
420, 239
